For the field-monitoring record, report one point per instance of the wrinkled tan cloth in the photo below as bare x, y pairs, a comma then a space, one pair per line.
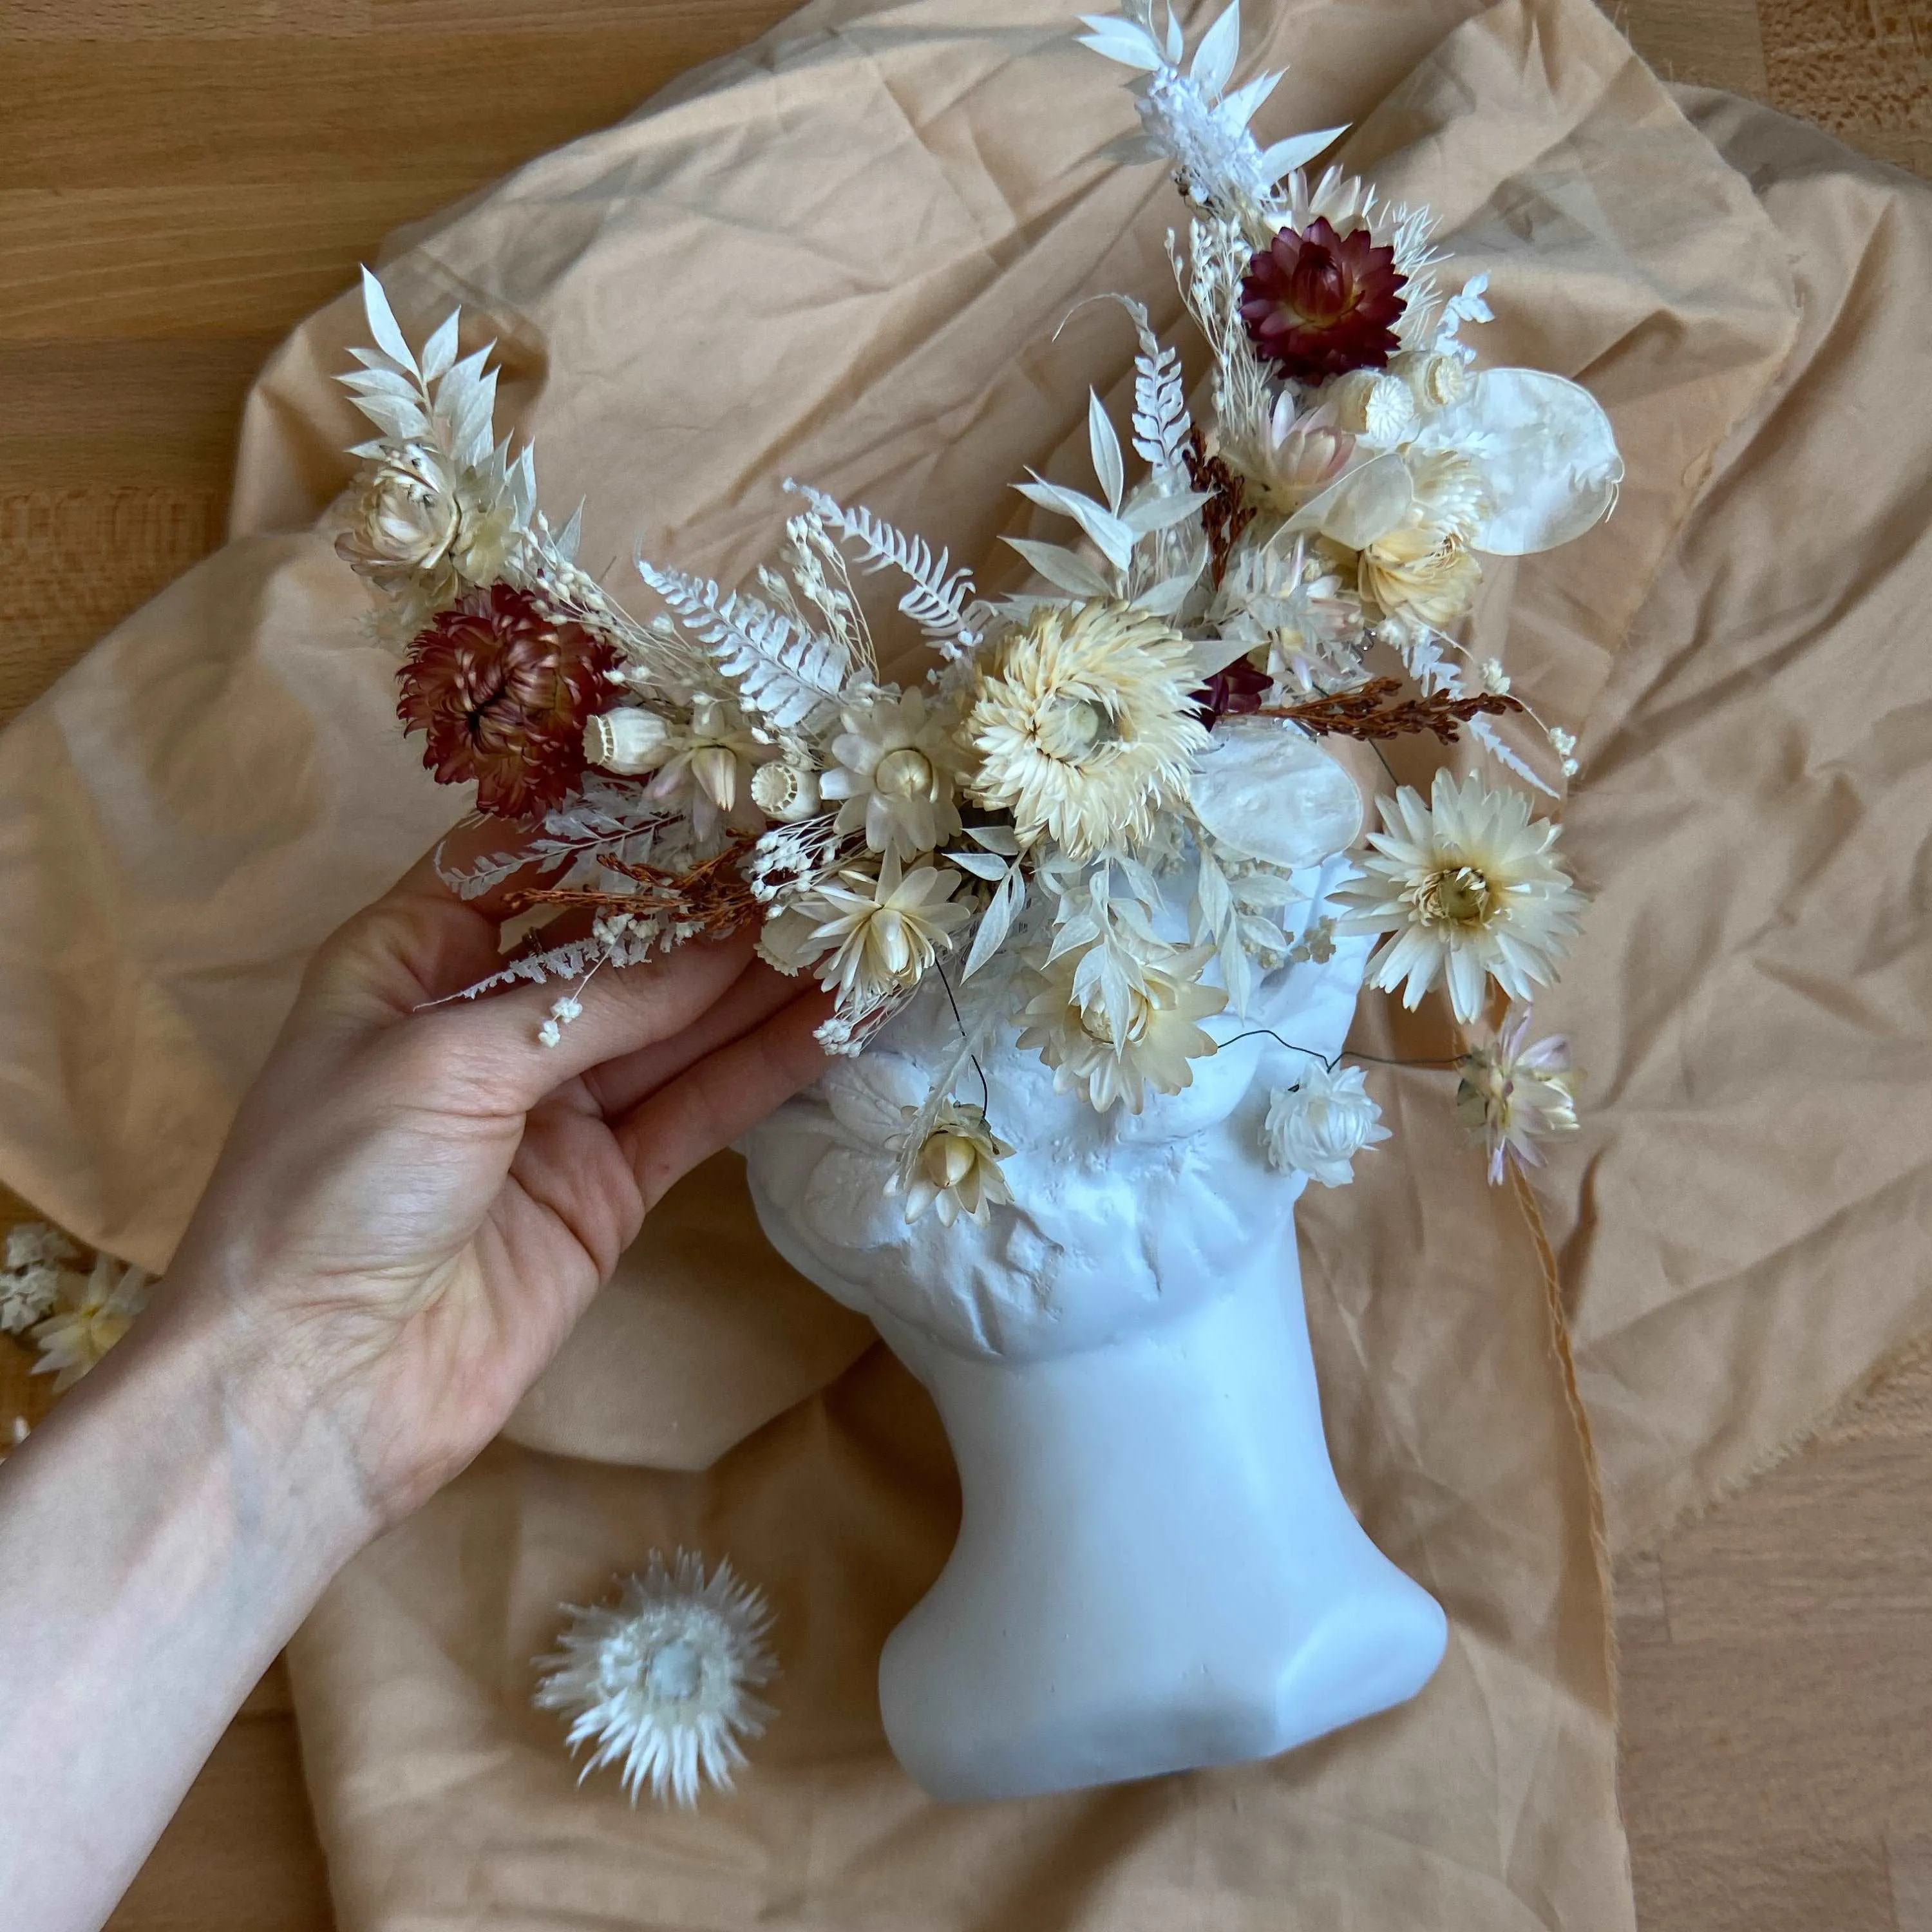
843, 255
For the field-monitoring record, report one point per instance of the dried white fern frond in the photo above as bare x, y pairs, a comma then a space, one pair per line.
791, 677
939, 602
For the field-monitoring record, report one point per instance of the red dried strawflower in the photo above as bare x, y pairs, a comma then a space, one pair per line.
501, 692
1319, 303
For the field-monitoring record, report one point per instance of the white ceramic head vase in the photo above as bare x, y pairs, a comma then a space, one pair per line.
1156, 1569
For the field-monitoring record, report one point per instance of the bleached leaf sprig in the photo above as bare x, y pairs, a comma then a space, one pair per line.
1101, 816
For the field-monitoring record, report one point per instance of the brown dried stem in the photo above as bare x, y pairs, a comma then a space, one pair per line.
1363, 711
713, 895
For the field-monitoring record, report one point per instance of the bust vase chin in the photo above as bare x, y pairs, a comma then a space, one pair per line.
1156, 1569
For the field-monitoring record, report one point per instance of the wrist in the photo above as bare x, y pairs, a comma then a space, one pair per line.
206, 1368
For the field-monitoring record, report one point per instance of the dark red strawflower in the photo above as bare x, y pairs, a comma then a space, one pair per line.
501, 692
1318, 303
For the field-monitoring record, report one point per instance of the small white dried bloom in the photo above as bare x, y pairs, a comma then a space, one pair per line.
1564, 744
37, 1257
1378, 407
1434, 379
897, 764
1318, 1126
956, 1170
1512, 1096
885, 932
1468, 889
92, 1316
1491, 677
663, 1683
562, 1013
402, 514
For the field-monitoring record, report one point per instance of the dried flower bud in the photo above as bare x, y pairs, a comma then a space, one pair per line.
787, 793
628, 740
1435, 379
1378, 406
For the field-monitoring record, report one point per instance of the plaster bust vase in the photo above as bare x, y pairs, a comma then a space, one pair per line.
1156, 1569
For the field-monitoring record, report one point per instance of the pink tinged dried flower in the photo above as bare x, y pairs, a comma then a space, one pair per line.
1318, 304
501, 692
1512, 1095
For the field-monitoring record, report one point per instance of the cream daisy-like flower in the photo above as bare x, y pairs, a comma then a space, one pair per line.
897, 763
1155, 1038
956, 1170
662, 1684
883, 933
75, 1336
1467, 890
402, 514
1318, 1126
1512, 1095
1084, 727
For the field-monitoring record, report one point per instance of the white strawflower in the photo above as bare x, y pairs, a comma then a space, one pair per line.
663, 1684
885, 932
1084, 727
402, 514
1467, 890
897, 763
1118, 1042
1318, 1126
36, 1257
94, 1315
1512, 1095
957, 1169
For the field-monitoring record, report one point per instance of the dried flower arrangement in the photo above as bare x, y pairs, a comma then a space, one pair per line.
1142, 723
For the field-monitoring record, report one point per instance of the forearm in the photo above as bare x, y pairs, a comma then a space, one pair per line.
160, 1536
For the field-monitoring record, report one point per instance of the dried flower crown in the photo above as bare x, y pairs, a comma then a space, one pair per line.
1152, 717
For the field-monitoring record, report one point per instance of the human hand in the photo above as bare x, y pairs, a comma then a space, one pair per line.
415, 1204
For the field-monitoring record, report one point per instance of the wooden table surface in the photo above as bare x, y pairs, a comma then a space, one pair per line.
182, 180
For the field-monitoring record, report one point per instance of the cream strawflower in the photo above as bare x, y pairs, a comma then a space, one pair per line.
957, 1169
1424, 569
1512, 1095
663, 1684
1084, 727
1467, 890
1072, 1031
1318, 1126
73, 1338
897, 763
886, 932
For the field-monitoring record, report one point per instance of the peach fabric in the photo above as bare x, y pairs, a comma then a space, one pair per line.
843, 255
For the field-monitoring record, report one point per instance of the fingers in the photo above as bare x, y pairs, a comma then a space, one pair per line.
722, 1096
618, 1084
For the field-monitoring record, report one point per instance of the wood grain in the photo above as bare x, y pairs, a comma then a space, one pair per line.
180, 180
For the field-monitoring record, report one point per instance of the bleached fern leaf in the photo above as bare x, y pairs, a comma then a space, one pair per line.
784, 673
1162, 423
940, 604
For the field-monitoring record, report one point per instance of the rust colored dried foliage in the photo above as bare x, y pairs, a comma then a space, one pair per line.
1363, 711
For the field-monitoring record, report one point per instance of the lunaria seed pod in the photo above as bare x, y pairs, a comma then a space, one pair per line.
629, 740
785, 792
